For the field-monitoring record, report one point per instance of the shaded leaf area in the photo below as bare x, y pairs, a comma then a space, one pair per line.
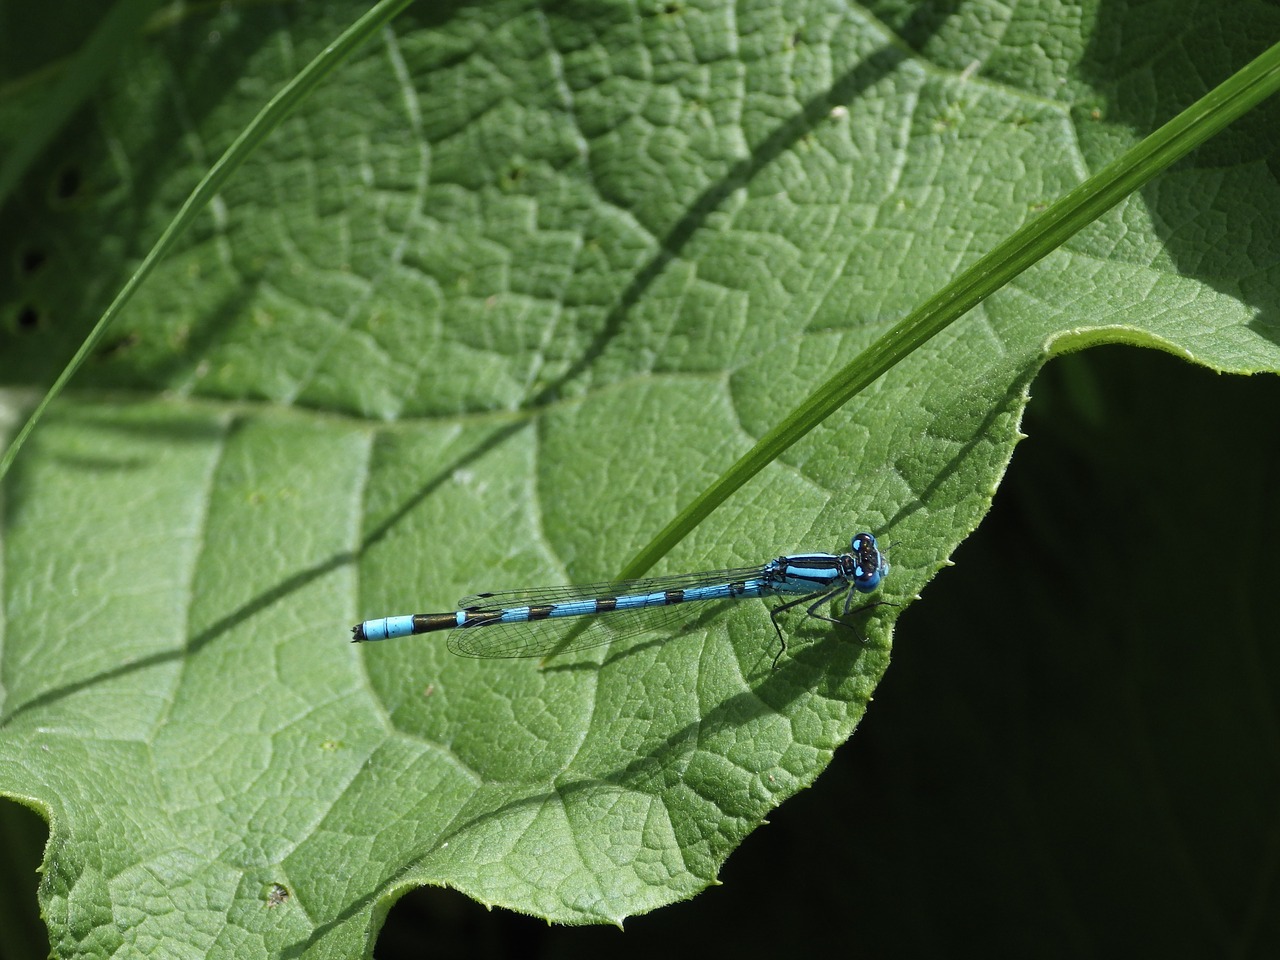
507, 295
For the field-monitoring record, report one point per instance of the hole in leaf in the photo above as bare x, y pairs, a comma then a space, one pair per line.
67, 183
31, 259
28, 318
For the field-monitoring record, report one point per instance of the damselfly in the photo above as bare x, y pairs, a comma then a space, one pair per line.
555, 620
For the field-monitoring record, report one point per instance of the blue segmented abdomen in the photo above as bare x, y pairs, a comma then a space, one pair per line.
535, 623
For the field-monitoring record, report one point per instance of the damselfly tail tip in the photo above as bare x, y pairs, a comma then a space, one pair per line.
357, 633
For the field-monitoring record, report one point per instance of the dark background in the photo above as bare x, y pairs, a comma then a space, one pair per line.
1076, 750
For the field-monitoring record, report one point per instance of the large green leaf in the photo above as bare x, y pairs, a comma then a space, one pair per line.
509, 292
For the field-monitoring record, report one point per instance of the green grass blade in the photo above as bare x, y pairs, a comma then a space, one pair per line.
270, 117
1223, 105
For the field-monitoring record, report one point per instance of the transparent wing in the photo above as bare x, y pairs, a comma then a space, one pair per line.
539, 638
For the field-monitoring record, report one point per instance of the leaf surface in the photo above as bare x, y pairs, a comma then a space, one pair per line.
512, 289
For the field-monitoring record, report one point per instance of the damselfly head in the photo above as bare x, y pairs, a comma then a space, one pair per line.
870, 564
